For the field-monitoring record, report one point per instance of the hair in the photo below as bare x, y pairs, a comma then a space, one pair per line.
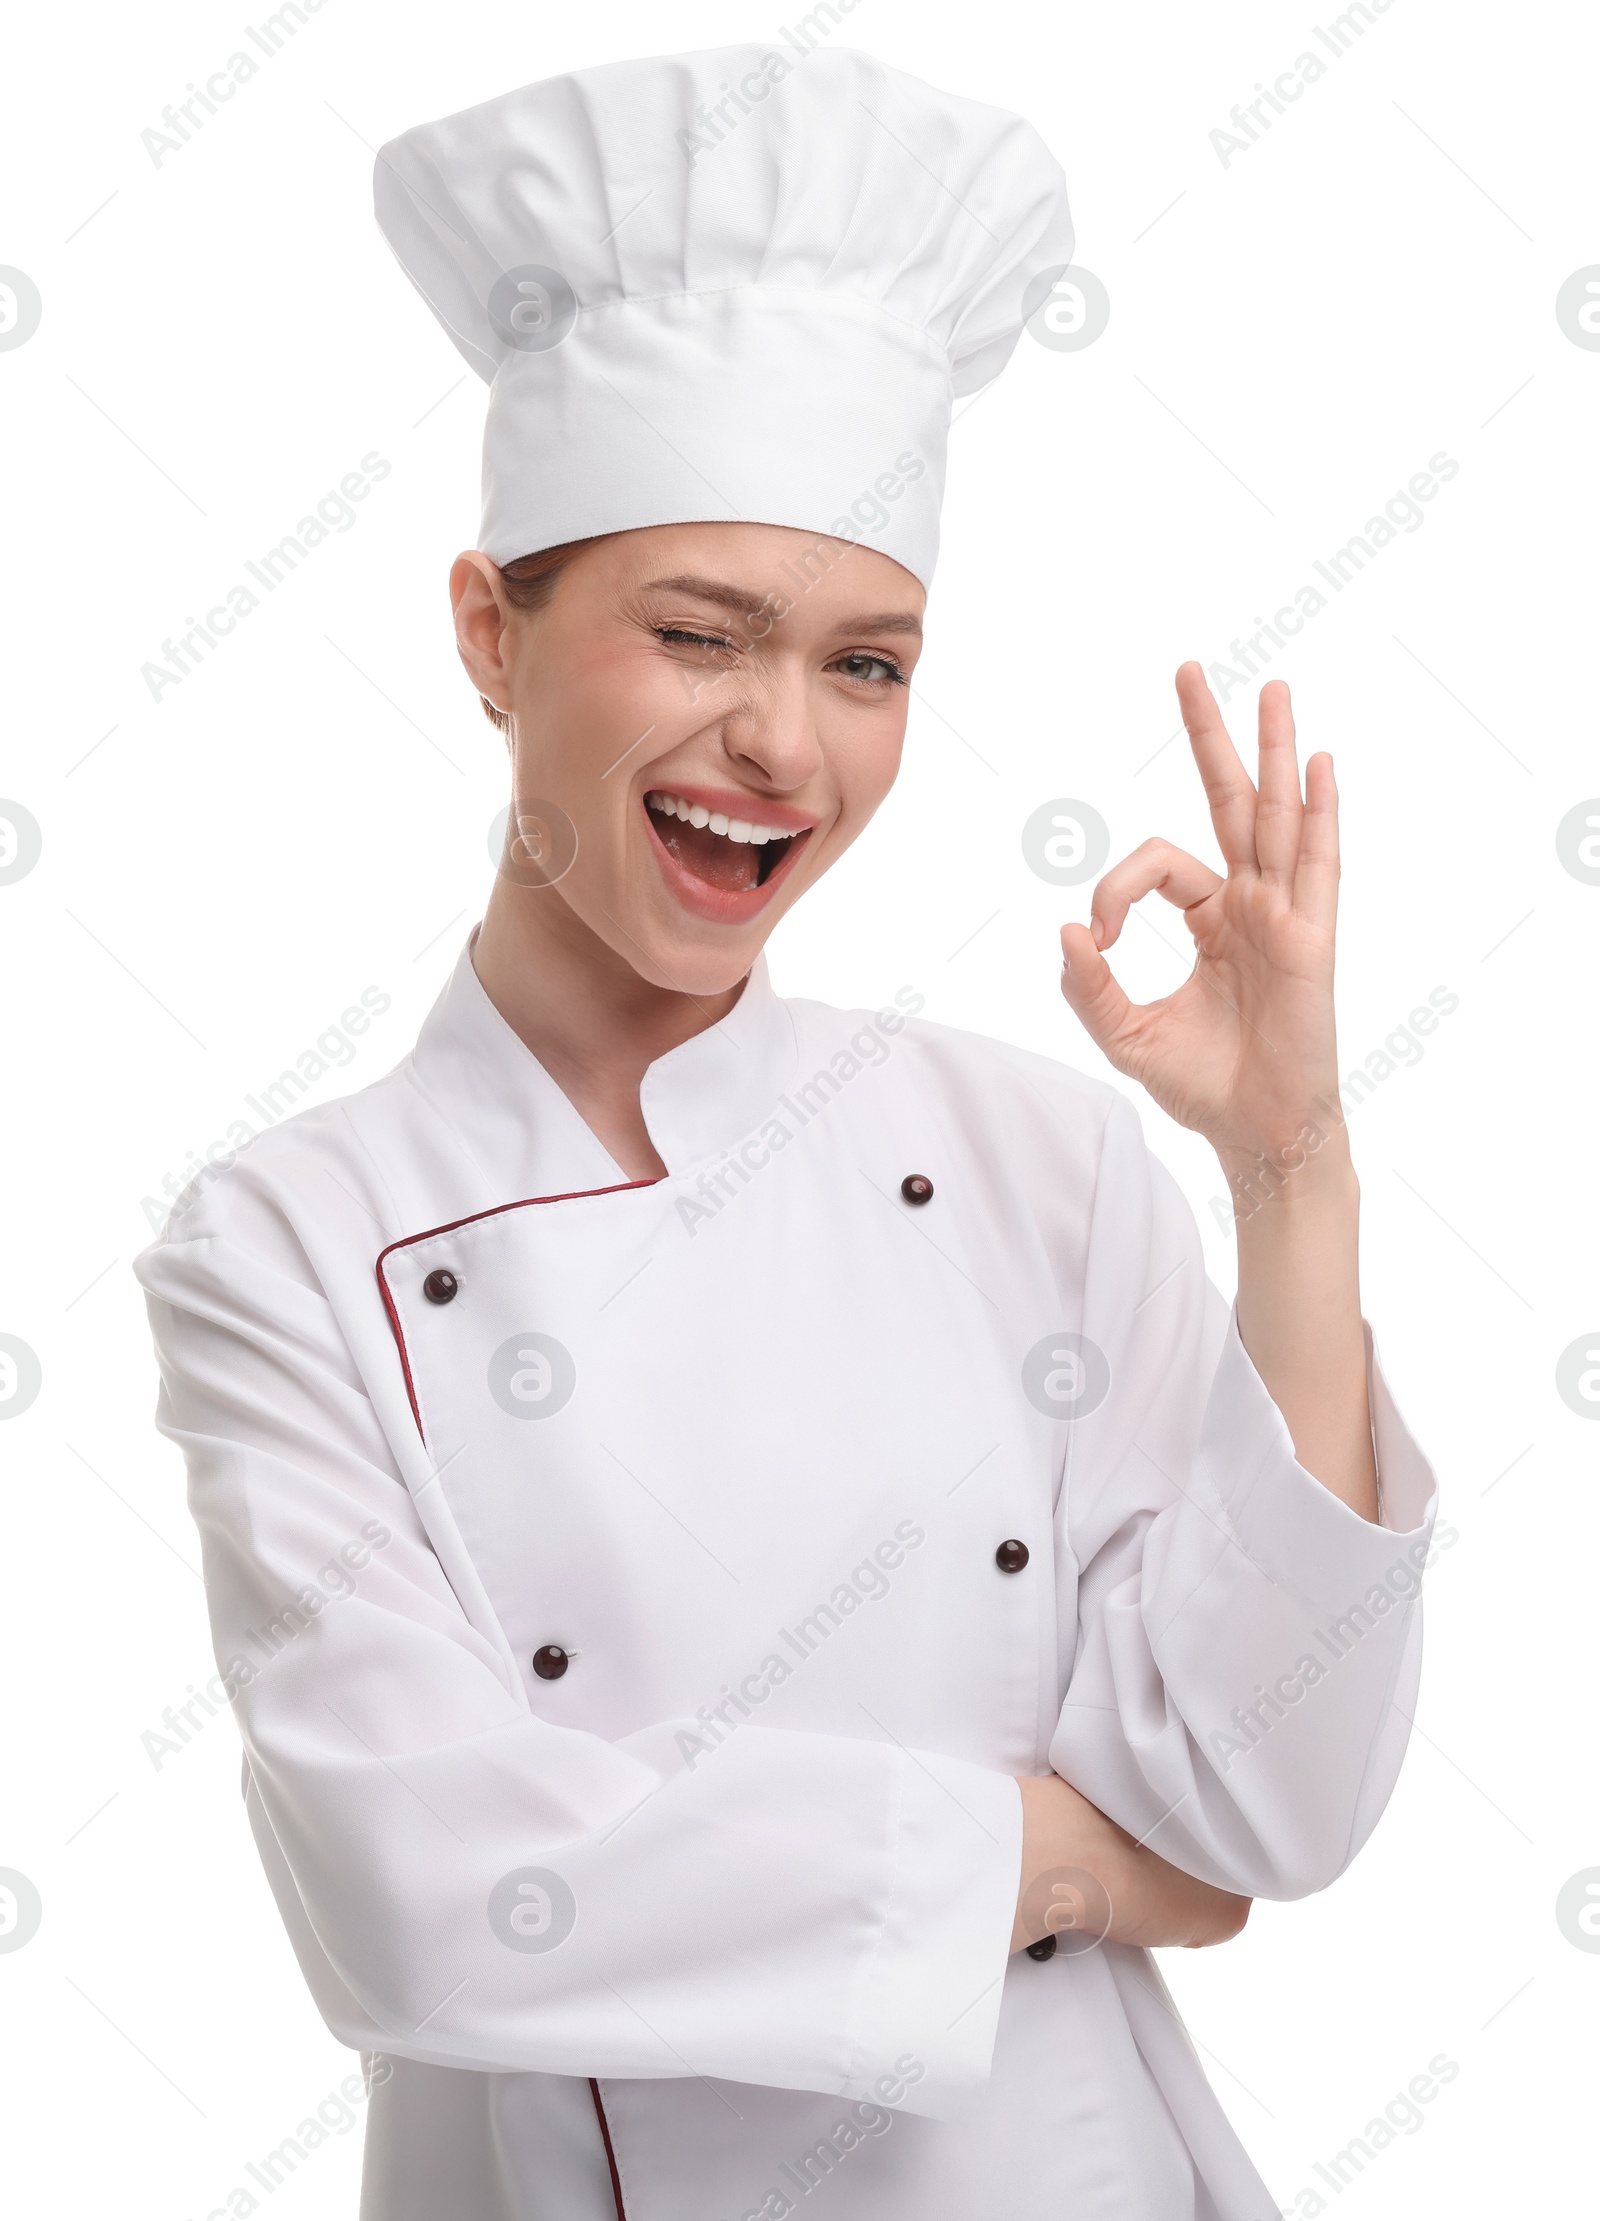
530, 581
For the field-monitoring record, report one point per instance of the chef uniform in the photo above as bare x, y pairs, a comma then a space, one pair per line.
637, 1597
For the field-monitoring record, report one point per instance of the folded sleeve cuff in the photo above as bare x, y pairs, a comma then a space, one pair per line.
932, 1997
1298, 1532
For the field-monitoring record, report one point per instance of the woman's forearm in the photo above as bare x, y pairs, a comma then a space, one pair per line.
1084, 1877
1299, 1314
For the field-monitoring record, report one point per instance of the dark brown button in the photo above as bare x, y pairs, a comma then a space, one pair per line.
1045, 1948
916, 1187
551, 1662
1011, 1557
440, 1287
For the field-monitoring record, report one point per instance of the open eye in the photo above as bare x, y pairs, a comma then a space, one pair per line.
869, 670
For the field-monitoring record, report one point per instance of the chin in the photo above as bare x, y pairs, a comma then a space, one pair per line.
691, 963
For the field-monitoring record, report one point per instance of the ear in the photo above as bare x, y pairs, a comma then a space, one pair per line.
482, 614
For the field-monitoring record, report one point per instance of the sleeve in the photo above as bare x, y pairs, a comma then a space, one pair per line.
1248, 1647
468, 1885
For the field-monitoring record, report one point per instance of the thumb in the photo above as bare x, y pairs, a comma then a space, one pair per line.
1090, 986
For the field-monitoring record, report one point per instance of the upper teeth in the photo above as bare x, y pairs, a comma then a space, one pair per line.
731, 828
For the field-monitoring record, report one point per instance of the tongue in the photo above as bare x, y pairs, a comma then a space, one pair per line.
730, 866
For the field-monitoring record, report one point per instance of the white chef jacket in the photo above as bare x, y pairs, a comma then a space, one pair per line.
736, 1449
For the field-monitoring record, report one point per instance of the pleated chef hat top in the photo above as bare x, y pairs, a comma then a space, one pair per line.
742, 284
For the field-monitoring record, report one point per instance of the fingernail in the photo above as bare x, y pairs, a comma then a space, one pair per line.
1098, 930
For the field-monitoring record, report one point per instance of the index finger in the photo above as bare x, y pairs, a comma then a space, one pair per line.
1229, 791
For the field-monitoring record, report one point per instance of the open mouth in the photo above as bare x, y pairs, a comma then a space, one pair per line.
723, 856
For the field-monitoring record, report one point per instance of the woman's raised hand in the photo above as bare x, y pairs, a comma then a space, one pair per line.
1242, 1051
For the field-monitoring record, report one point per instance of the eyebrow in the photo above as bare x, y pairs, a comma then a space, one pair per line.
742, 603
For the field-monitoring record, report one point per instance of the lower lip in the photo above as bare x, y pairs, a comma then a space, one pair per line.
721, 905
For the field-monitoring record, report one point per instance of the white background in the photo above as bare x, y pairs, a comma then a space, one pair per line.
1293, 335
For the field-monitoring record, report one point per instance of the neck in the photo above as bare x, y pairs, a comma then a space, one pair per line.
593, 1023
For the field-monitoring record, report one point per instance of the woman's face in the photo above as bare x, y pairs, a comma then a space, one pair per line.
715, 709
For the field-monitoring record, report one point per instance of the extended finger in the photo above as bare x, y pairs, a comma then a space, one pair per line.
1278, 807
1231, 796
1155, 867
1316, 878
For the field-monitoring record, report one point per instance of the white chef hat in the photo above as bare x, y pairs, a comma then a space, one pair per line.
743, 284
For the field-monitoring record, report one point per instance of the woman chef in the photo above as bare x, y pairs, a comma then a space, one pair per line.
728, 1521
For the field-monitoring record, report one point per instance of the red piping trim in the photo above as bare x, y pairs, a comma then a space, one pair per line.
605, 2130
573, 1195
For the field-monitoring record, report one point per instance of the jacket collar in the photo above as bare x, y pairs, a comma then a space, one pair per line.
524, 1136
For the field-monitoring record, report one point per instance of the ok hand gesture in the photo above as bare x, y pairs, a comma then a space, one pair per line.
1244, 1049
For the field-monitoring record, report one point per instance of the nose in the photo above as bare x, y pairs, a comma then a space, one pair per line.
771, 735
